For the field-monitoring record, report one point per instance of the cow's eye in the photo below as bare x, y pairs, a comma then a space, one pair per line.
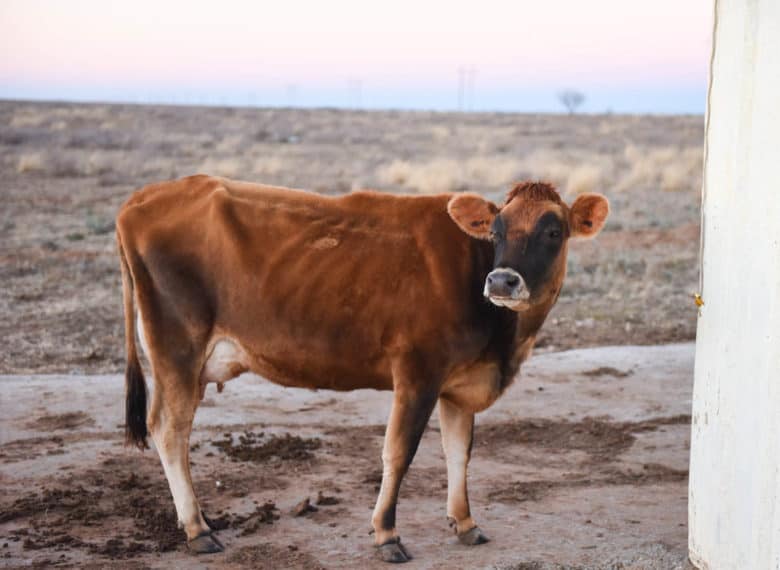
554, 234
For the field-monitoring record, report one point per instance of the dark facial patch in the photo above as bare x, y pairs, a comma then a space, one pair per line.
532, 255
498, 235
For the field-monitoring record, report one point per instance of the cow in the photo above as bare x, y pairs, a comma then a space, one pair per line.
438, 298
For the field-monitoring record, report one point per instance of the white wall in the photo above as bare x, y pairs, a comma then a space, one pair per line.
734, 502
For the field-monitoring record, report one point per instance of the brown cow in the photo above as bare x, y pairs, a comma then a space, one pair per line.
438, 298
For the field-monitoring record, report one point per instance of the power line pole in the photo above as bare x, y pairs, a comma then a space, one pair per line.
467, 78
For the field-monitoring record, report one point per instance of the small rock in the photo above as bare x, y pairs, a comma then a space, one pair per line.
326, 500
303, 508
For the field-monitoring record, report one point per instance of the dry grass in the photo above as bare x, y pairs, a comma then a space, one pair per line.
449, 175
271, 165
227, 167
668, 168
437, 175
584, 178
394, 174
547, 164
53, 164
34, 162
492, 171
69, 165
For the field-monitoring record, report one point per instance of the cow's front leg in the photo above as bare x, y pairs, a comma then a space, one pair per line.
408, 418
457, 432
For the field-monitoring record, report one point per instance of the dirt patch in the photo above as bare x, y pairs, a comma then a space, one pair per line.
59, 514
266, 513
261, 448
325, 500
608, 371
602, 440
135, 507
268, 556
547, 566
30, 448
117, 548
70, 420
70, 503
651, 473
238, 483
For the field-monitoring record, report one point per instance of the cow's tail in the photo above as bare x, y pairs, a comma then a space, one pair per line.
135, 385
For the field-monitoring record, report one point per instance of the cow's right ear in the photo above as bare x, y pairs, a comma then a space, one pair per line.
473, 214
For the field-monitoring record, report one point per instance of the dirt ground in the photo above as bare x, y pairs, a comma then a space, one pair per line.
66, 169
582, 465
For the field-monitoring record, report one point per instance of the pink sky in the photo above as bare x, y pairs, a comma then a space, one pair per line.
52, 48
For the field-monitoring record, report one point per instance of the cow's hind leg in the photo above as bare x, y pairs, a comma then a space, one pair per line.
170, 423
457, 432
408, 418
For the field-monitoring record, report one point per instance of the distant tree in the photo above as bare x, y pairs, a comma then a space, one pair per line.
571, 99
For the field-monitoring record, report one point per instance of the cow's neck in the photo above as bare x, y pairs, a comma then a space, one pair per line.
521, 332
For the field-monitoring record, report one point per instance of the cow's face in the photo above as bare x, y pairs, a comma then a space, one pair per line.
529, 234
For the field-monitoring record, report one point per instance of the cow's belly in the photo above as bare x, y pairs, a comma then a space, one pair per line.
228, 358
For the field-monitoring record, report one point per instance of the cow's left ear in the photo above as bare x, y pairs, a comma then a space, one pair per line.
587, 215
473, 214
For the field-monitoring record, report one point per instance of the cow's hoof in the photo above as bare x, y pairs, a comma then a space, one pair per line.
473, 537
207, 520
205, 543
393, 551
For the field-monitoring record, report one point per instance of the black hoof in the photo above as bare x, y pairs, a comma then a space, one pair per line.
473, 537
392, 551
207, 520
205, 543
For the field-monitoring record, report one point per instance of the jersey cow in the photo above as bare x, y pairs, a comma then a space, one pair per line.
437, 298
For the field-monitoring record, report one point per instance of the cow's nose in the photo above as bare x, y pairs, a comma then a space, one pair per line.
501, 279
505, 283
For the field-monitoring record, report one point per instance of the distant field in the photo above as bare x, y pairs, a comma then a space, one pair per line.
66, 168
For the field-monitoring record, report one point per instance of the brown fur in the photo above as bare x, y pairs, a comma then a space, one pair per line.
534, 190
367, 290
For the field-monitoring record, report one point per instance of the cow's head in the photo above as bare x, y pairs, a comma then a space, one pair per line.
529, 234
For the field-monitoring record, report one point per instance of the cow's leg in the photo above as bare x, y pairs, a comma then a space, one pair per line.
408, 417
170, 423
457, 432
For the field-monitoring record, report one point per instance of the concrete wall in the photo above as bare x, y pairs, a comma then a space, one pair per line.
734, 507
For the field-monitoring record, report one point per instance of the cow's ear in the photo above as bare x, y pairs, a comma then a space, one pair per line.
473, 214
587, 215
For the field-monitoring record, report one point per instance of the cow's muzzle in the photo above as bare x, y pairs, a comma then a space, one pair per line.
506, 288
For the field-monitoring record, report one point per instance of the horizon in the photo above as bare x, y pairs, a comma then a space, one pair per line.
344, 109
511, 57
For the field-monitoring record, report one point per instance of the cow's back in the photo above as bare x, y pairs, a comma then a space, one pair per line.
321, 291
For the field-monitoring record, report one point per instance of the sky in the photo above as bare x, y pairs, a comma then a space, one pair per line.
625, 56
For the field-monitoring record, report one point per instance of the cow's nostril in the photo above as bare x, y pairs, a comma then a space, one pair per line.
490, 279
512, 280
